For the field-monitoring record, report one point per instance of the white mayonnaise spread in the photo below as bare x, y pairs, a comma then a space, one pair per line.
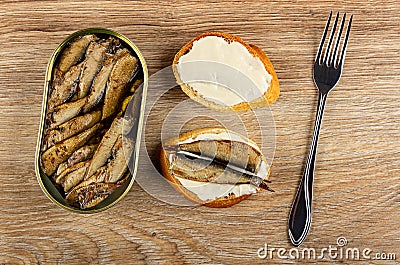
206, 191
223, 72
224, 135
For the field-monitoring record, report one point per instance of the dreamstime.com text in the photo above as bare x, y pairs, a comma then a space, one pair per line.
340, 251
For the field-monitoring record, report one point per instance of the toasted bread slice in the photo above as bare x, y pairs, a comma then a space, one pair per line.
268, 97
204, 185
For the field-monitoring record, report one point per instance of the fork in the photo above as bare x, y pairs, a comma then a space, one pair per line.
327, 71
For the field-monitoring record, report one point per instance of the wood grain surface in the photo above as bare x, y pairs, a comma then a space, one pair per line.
356, 193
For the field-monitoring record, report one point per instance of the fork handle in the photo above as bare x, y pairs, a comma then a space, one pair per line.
301, 211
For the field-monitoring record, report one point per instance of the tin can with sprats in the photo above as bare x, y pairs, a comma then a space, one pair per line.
91, 121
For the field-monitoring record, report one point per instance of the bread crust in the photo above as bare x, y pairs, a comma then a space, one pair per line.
269, 97
164, 167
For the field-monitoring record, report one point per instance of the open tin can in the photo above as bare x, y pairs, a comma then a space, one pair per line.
137, 106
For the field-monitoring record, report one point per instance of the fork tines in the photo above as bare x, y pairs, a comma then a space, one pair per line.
330, 58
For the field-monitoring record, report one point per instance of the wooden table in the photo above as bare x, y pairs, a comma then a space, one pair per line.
357, 174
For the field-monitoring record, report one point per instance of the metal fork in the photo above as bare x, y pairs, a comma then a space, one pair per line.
327, 71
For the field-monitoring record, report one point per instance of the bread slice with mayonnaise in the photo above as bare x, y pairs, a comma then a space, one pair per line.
222, 72
214, 167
